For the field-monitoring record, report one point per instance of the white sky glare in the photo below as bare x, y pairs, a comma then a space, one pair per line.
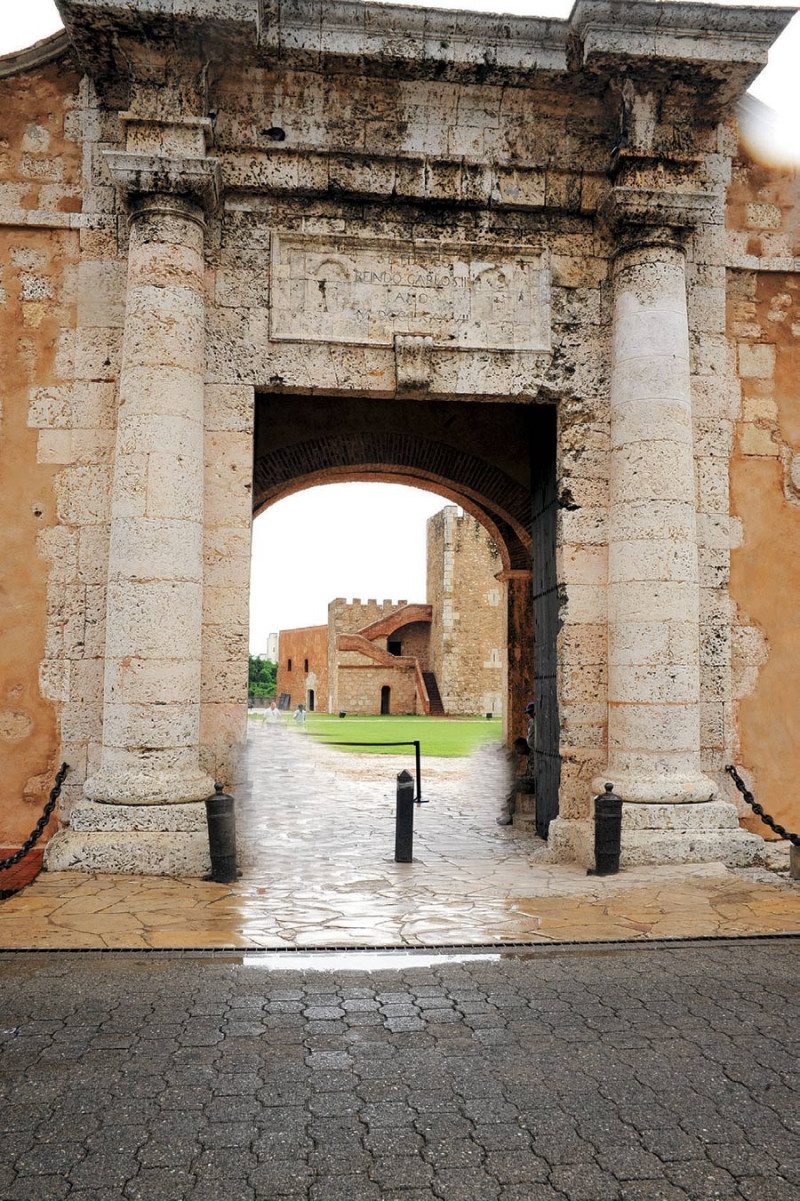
368, 540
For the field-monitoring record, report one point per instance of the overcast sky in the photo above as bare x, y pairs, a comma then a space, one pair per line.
368, 540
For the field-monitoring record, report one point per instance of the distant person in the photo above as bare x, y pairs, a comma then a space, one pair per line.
300, 715
273, 714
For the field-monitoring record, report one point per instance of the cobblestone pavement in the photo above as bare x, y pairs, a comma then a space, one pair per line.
623, 1074
317, 834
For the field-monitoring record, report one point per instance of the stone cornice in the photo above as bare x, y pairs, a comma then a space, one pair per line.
452, 42
676, 32
196, 179
721, 46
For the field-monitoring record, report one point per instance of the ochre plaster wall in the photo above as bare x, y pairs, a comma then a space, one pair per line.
764, 321
311, 643
40, 169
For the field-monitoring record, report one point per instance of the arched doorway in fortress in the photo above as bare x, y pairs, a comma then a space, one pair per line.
497, 461
405, 252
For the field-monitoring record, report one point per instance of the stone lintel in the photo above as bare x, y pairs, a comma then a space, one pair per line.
312, 170
194, 179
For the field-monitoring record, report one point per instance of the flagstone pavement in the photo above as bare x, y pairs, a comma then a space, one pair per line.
317, 834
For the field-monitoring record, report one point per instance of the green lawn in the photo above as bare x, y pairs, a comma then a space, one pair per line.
445, 736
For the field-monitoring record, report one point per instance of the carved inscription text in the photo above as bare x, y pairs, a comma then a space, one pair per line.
364, 291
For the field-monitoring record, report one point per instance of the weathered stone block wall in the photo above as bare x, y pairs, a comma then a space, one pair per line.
468, 634
348, 617
414, 640
52, 446
305, 643
360, 684
764, 328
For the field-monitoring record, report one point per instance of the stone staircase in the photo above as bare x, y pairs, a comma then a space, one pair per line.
434, 696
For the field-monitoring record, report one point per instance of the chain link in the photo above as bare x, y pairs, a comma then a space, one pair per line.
36, 834
757, 809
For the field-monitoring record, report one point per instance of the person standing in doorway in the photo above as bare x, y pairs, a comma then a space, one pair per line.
530, 710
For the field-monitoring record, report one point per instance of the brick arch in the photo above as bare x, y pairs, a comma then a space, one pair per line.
497, 501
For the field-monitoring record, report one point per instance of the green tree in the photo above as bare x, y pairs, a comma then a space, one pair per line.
262, 676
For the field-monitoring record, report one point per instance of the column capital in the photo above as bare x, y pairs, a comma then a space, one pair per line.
196, 180
656, 216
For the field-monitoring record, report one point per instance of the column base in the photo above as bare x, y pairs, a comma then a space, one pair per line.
673, 788
132, 786
707, 832
143, 840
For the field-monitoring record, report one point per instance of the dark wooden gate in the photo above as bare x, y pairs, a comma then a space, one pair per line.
546, 623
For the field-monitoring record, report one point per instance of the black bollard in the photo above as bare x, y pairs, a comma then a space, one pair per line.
221, 836
607, 833
404, 819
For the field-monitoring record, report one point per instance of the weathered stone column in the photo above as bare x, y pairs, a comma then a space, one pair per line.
154, 602
151, 703
653, 593
653, 597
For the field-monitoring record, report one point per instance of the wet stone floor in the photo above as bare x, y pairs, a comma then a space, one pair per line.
316, 829
622, 1073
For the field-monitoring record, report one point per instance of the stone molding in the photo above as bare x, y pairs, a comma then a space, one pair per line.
198, 179
37, 55
653, 215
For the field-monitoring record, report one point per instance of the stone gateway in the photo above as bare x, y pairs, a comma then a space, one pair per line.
248, 247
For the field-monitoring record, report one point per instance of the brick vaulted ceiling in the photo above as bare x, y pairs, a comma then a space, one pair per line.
301, 442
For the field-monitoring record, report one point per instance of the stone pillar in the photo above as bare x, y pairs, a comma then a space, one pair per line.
670, 812
653, 594
151, 705
518, 665
653, 591
151, 709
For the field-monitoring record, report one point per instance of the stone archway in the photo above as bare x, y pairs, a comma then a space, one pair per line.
497, 461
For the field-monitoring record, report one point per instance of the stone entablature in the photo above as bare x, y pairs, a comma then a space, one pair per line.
603, 146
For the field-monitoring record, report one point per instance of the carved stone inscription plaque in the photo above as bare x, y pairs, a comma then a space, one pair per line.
366, 290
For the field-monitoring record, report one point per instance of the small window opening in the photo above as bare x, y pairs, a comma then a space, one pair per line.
386, 693
305, 665
288, 665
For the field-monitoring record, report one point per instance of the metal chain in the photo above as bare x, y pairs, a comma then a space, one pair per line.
754, 805
36, 834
